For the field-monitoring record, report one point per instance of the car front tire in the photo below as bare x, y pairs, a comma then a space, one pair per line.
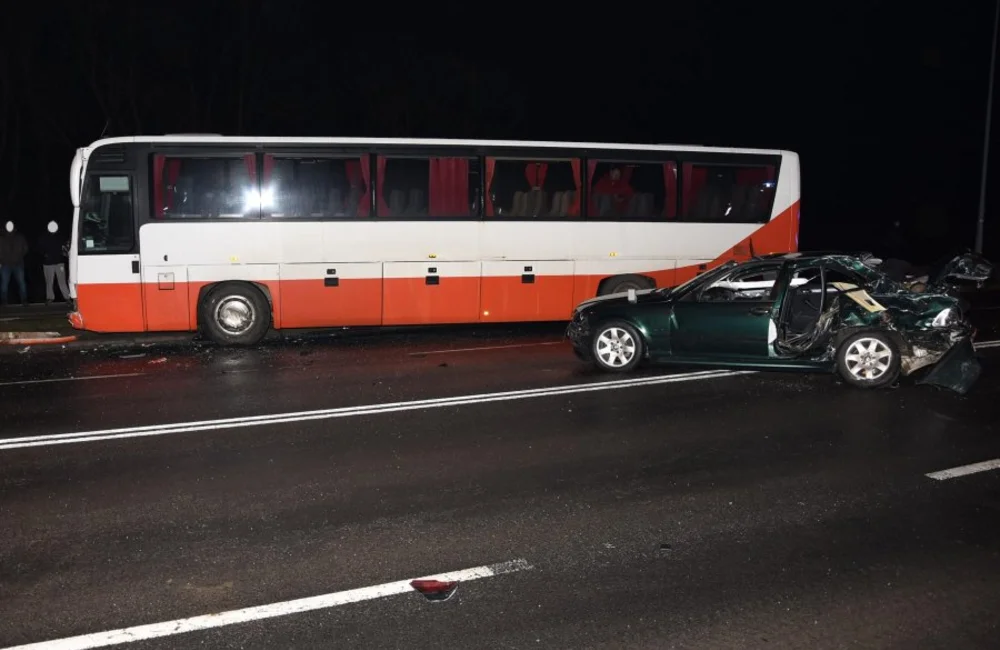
616, 347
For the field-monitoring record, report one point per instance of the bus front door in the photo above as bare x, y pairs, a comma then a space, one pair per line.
106, 274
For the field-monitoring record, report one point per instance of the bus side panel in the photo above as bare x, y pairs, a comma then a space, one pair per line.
109, 294
423, 293
165, 291
332, 294
515, 291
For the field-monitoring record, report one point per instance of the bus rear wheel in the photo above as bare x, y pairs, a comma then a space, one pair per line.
235, 314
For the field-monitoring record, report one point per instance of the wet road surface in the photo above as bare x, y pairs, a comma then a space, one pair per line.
683, 509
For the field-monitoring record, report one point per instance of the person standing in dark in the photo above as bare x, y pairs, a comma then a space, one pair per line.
53, 248
13, 249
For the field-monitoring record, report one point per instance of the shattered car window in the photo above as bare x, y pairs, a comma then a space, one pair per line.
873, 279
756, 283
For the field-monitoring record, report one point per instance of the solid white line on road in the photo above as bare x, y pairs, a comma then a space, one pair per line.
221, 619
355, 411
965, 470
987, 344
49, 381
491, 347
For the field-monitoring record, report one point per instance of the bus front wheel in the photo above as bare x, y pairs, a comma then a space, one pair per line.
235, 314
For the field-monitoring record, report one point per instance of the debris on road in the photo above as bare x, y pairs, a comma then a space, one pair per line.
435, 590
33, 338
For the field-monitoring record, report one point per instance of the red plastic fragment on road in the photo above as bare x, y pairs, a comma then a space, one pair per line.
435, 590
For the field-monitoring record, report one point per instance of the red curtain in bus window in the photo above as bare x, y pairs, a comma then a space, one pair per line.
364, 201
353, 172
670, 185
591, 170
158, 164
267, 169
383, 204
449, 187
491, 167
173, 173
535, 173
251, 163
574, 207
358, 173
694, 179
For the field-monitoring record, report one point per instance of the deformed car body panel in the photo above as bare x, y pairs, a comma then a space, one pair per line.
728, 317
958, 369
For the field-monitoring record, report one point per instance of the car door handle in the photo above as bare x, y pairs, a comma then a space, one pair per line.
760, 311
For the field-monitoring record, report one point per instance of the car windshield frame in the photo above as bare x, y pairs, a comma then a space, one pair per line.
685, 287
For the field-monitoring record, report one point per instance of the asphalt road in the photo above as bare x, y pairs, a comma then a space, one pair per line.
684, 510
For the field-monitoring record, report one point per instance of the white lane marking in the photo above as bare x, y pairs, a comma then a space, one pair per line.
221, 619
49, 381
965, 470
354, 411
490, 347
987, 344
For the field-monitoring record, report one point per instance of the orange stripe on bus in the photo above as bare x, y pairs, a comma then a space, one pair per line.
311, 303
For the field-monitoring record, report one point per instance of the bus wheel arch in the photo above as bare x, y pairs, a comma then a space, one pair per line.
235, 312
622, 283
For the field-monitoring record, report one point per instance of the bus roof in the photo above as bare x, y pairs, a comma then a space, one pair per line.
437, 142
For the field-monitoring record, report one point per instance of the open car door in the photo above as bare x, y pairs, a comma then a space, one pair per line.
729, 319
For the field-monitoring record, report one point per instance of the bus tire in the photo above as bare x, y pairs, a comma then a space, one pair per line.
622, 283
235, 314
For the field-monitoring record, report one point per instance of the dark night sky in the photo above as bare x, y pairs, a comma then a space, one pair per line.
883, 100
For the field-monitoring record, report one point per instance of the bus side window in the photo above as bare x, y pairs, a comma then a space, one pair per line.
431, 187
533, 189
631, 191
197, 187
727, 193
328, 187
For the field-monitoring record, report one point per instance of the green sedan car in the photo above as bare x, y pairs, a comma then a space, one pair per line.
821, 312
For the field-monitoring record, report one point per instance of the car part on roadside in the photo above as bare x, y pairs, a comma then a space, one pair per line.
820, 312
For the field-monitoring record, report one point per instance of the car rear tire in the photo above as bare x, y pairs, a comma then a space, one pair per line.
616, 347
869, 360
235, 314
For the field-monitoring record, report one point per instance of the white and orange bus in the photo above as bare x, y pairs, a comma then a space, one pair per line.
235, 235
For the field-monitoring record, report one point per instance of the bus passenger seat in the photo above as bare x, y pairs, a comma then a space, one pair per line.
397, 203
605, 205
559, 205
417, 206
645, 205
537, 203
519, 206
335, 202
350, 207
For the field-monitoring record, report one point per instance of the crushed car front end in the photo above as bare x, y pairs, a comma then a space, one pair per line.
579, 333
941, 340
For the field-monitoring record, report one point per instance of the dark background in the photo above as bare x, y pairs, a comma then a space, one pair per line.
884, 101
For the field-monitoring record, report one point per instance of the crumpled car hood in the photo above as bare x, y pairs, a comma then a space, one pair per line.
968, 267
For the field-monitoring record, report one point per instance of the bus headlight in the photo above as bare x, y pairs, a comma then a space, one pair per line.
946, 317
